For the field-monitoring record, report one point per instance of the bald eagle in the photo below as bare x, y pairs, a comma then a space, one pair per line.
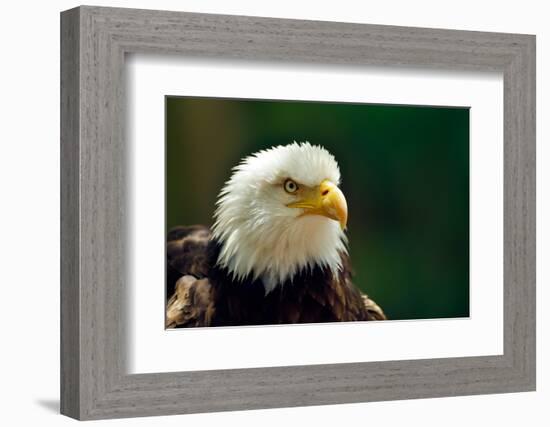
277, 252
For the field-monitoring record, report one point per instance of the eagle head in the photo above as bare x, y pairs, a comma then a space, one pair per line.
281, 212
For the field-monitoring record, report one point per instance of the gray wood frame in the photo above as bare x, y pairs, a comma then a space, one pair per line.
94, 41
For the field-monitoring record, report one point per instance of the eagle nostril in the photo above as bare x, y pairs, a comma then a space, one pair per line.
324, 193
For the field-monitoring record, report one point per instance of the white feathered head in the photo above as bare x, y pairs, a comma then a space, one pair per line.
280, 212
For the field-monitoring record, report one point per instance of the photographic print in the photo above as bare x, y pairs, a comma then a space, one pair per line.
153, 182
281, 212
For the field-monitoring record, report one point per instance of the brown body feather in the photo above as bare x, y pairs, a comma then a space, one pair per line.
201, 294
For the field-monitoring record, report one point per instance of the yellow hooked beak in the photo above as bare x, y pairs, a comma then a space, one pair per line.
326, 200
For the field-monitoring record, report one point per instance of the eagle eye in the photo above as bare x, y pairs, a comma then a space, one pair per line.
290, 186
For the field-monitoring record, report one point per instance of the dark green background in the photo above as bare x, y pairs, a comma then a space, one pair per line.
405, 174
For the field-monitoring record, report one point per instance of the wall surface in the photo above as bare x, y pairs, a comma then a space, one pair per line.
29, 224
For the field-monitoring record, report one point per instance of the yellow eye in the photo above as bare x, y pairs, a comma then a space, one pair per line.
290, 186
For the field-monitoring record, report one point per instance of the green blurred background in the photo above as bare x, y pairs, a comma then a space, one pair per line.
405, 174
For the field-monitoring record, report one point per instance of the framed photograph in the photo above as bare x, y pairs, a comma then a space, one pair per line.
262, 213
